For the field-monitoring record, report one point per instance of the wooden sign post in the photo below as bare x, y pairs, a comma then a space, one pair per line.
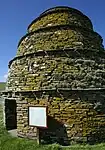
38, 118
38, 137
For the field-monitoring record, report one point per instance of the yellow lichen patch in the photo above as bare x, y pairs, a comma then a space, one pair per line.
60, 18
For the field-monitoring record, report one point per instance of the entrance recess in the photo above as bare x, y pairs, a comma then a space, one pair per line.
10, 114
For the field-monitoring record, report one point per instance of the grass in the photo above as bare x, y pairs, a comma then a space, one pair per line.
12, 143
2, 86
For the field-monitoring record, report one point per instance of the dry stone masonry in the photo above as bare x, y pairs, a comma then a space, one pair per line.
60, 63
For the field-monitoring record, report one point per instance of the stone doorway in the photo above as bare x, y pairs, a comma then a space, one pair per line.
10, 114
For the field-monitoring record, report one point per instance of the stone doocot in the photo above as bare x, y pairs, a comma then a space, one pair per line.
60, 63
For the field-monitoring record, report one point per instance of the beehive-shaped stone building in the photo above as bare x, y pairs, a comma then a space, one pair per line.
60, 63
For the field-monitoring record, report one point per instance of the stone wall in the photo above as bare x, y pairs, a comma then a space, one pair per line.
60, 69
59, 38
72, 115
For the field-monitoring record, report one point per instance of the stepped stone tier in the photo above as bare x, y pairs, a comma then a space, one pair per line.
60, 63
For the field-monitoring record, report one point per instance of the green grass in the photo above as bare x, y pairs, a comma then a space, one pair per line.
11, 143
2, 86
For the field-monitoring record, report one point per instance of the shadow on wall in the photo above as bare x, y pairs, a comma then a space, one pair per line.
97, 137
55, 133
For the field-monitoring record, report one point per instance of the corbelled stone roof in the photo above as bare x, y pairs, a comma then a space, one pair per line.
60, 50
60, 16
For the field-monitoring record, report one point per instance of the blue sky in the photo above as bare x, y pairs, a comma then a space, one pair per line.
16, 15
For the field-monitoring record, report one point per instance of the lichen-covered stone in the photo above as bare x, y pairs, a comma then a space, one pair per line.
75, 109
36, 73
60, 63
59, 38
58, 16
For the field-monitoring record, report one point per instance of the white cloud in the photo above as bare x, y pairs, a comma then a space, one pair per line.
5, 77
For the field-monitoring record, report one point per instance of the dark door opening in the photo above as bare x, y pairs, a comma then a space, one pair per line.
10, 114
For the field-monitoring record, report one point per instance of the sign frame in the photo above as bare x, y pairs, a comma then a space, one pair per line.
46, 117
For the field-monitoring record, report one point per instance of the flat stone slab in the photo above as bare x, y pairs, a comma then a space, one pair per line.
13, 132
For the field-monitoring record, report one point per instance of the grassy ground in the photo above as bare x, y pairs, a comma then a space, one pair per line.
10, 143
2, 86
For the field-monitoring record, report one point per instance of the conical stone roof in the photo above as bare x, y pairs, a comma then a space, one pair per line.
60, 50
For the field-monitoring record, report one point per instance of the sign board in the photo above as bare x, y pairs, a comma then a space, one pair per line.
38, 116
